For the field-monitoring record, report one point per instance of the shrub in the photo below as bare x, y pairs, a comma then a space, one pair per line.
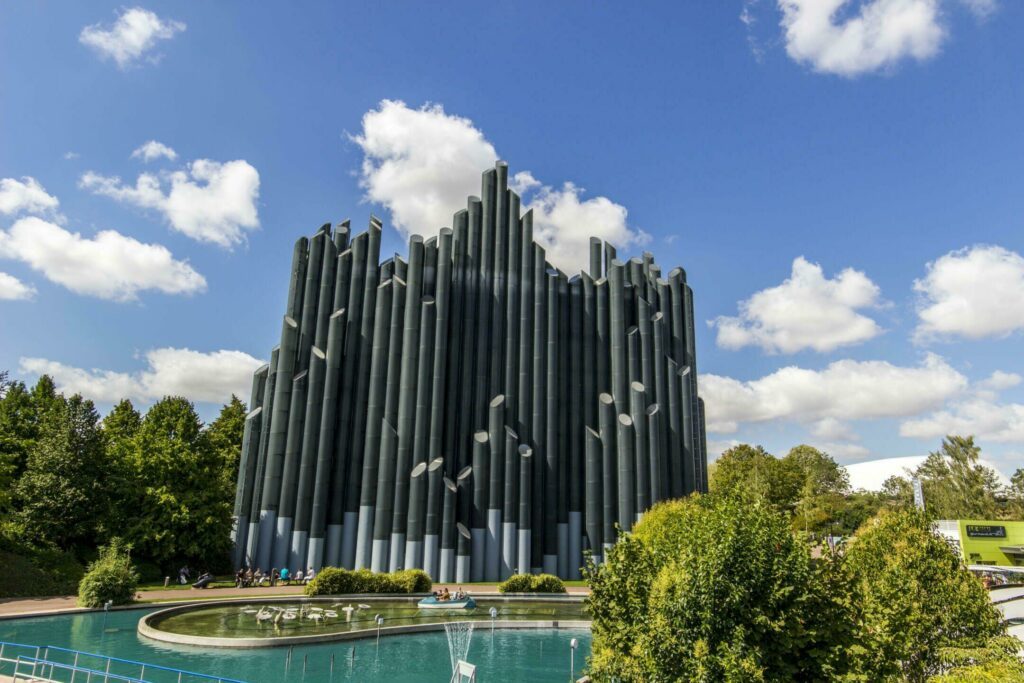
111, 577
337, 581
528, 583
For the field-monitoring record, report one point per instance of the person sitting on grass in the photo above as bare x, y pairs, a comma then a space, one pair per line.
286, 577
310, 574
275, 576
298, 576
240, 578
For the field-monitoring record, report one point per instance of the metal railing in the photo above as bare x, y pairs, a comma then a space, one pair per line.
96, 667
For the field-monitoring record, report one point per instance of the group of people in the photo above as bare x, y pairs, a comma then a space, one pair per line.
444, 596
246, 577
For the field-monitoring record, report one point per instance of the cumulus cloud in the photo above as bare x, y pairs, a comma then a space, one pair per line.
421, 164
13, 289
975, 292
109, 265
202, 377
843, 450
135, 33
980, 413
984, 418
210, 202
844, 390
982, 9
837, 37
151, 150
26, 196
807, 311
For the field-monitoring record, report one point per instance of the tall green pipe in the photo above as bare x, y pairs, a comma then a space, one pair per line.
278, 436
594, 512
617, 336
661, 397
432, 521
290, 471
524, 393
551, 432
343, 435
646, 347
655, 454
602, 346
478, 522
481, 388
609, 460
609, 256
416, 507
440, 346
676, 450
446, 560
633, 360
523, 520
589, 351
341, 235
510, 507
308, 461
703, 446
495, 489
325, 297
245, 485
498, 283
255, 516
637, 412
456, 361
385, 489
310, 299
342, 279
358, 433
686, 422
675, 286
407, 399
297, 279
627, 472
540, 397
463, 543
325, 438
467, 422
374, 413
513, 287
575, 467
595, 257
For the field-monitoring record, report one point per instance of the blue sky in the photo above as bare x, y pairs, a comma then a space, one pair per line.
878, 141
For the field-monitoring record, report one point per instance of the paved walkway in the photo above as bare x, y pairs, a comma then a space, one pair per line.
23, 606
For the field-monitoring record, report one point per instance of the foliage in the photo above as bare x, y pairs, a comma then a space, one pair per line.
33, 572
530, 583
916, 598
955, 485
715, 588
996, 662
110, 578
754, 474
179, 503
338, 581
20, 412
60, 495
225, 434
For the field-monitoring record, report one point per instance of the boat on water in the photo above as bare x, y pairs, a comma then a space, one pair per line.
433, 603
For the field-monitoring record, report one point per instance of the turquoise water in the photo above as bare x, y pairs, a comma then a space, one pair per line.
507, 655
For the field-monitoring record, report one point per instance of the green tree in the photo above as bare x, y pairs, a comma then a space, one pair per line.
225, 434
955, 485
716, 589
61, 495
21, 412
823, 490
111, 578
916, 599
182, 505
755, 474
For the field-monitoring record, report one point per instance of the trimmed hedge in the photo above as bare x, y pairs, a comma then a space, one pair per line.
529, 583
337, 581
111, 577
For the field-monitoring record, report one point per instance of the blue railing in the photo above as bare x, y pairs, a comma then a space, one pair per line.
99, 667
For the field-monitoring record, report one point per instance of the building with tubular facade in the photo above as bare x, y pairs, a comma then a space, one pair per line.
470, 410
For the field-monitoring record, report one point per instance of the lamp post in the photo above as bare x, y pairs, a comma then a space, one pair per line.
573, 644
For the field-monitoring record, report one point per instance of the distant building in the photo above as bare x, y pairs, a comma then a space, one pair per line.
982, 541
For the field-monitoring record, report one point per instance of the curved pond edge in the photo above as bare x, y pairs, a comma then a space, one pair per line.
146, 630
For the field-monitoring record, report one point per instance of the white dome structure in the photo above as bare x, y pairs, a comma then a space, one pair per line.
870, 475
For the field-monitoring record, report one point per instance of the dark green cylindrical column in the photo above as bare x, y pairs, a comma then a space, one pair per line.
290, 470
463, 542
432, 519
325, 297
603, 340
689, 484
595, 257
310, 299
656, 463
421, 435
551, 420
297, 279
510, 507
627, 472
674, 456
446, 561
637, 413
524, 521
661, 393
385, 498
540, 398
594, 513
481, 482
609, 460
617, 336
246, 485
495, 488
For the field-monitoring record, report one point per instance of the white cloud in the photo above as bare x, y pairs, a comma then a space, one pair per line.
979, 413
421, 164
135, 33
975, 292
154, 150
26, 196
203, 377
982, 9
211, 202
980, 416
838, 37
108, 266
71, 156
1000, 380
844, 390
13, 289
843, 450
833, 429
807, 311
